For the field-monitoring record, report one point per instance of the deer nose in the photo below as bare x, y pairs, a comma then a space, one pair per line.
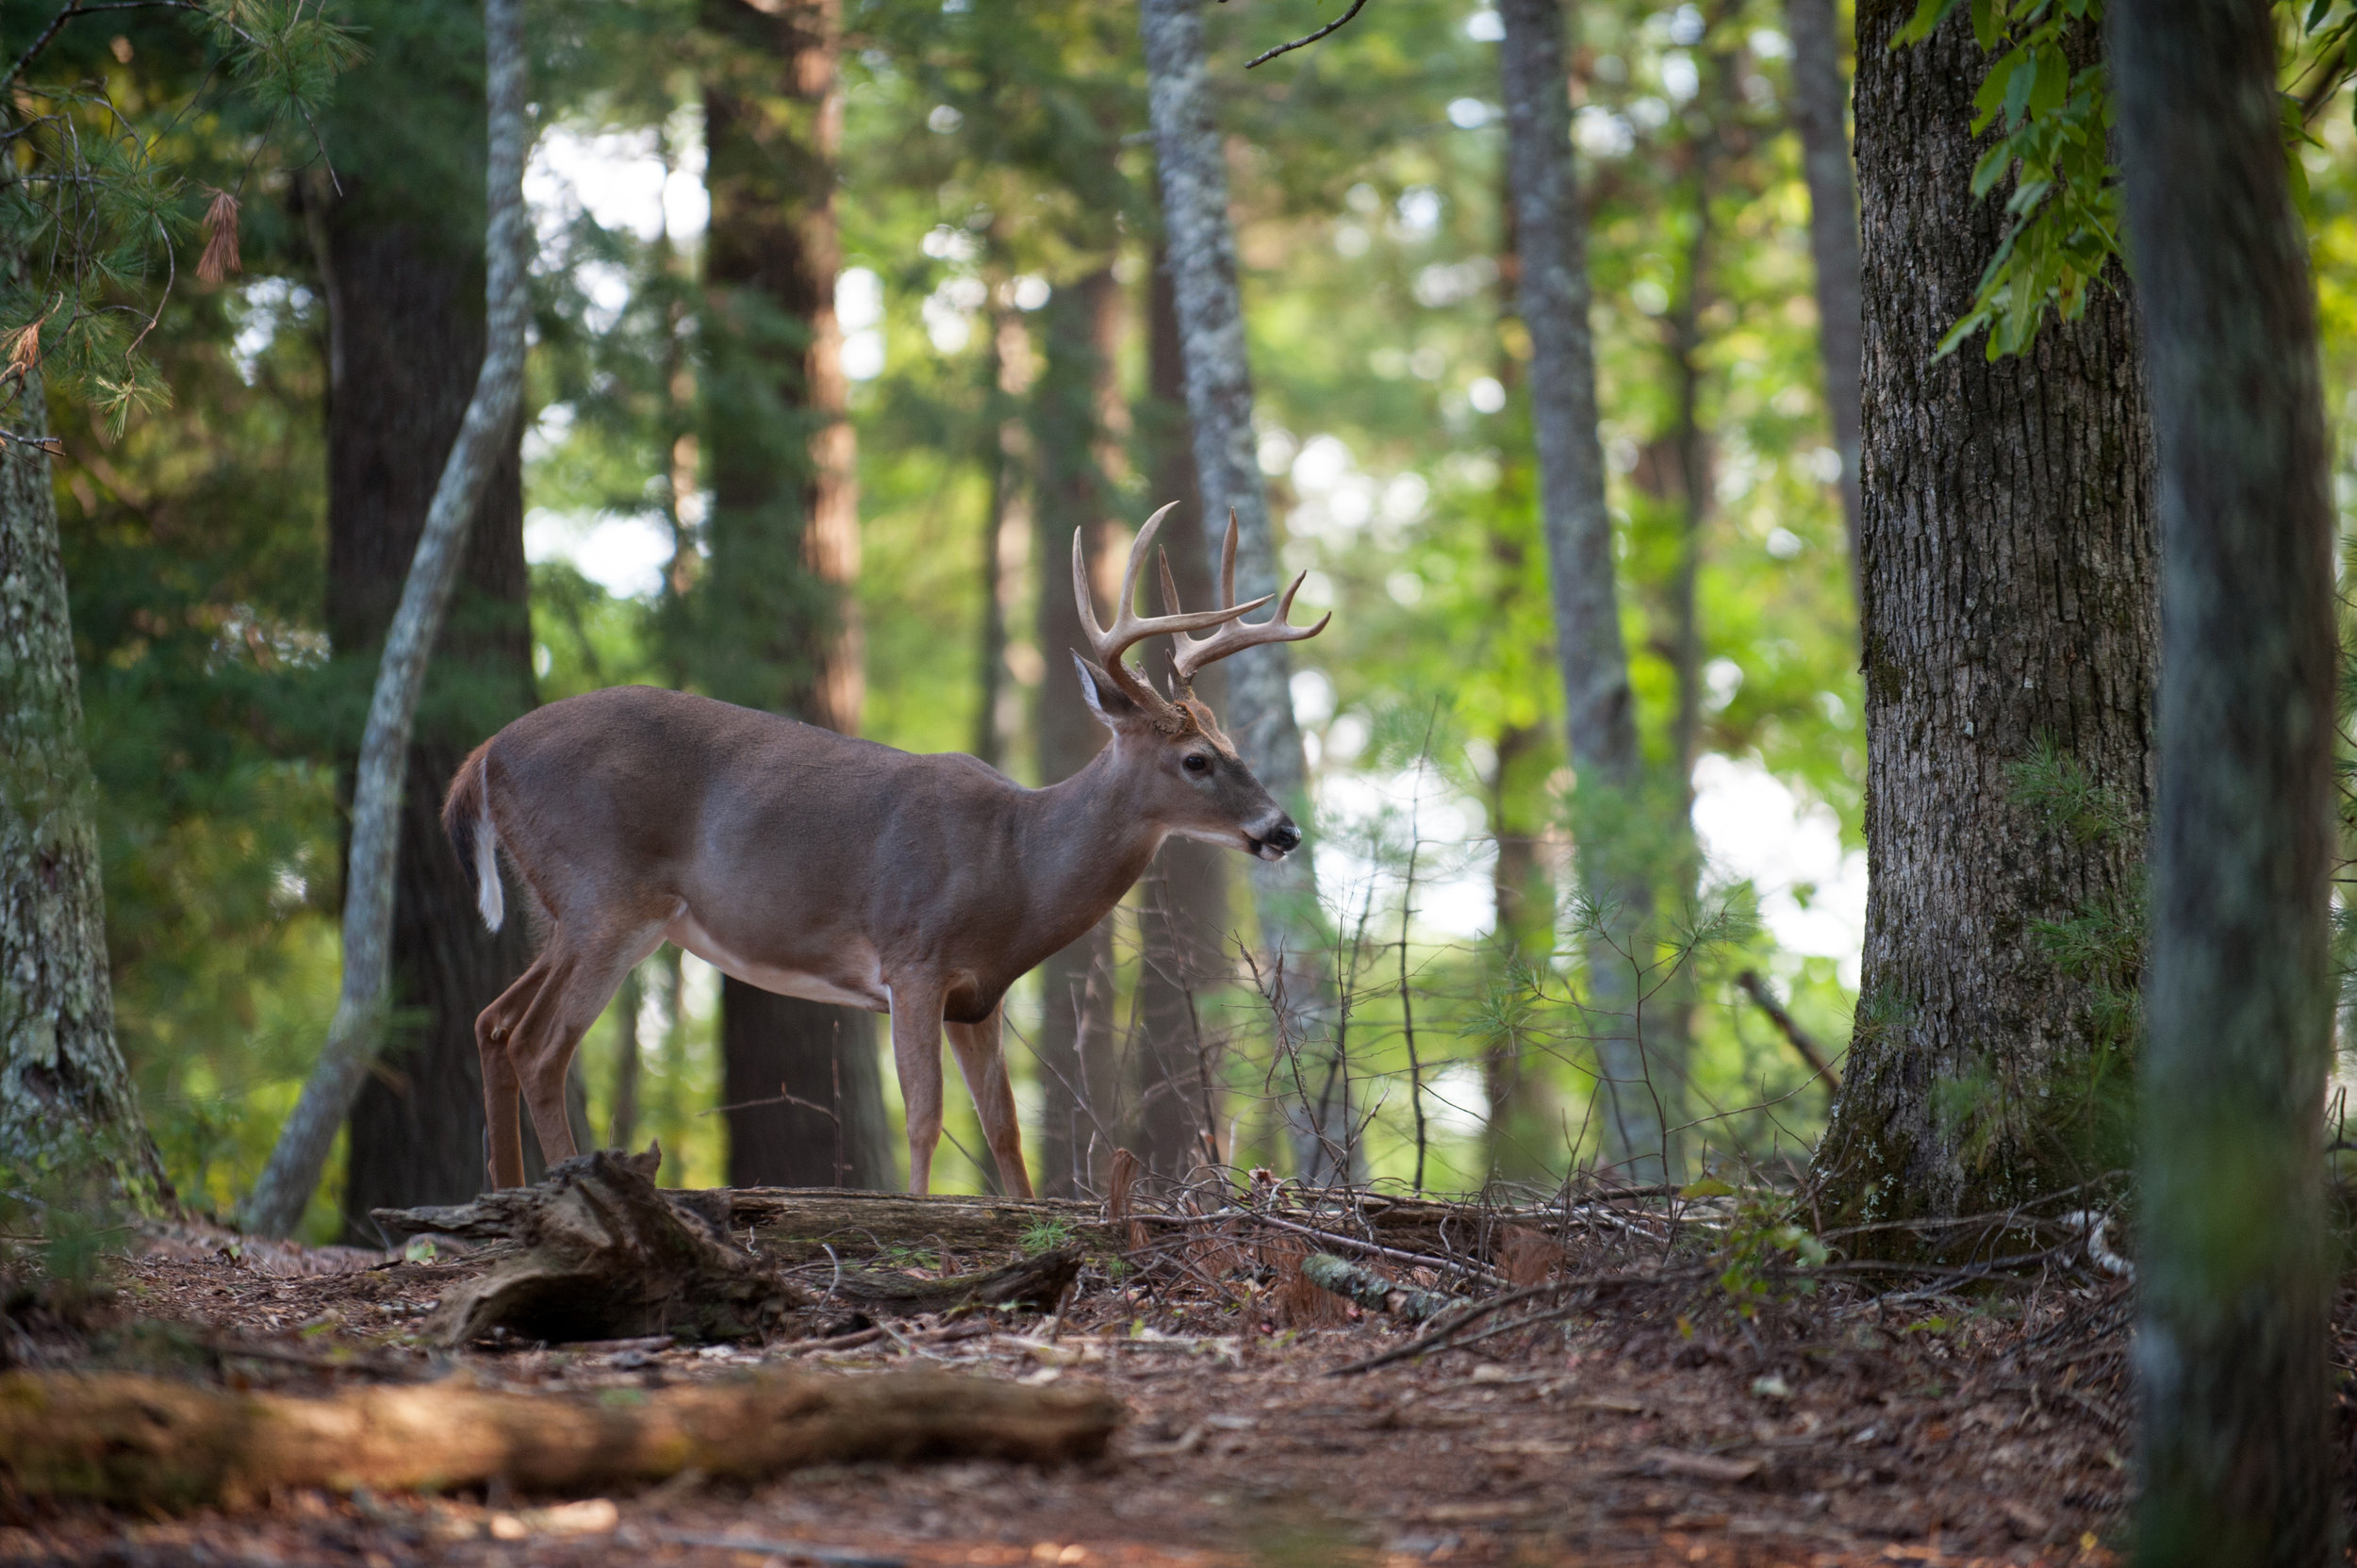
1284, 837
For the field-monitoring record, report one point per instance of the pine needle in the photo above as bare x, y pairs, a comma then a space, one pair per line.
220, 239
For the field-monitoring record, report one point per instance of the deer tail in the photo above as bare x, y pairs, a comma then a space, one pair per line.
467, 817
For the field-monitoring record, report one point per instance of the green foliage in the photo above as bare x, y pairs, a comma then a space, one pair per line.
1045, 1235
1758, 1252
92, 210
2053, 116
2056, 788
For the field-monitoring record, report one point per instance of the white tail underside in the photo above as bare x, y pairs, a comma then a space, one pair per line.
490, 896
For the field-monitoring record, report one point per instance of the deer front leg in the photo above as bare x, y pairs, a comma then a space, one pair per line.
985, 1068
916, 1057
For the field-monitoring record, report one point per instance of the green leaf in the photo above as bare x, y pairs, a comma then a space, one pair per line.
2017, 84
2316, 14
2052, 85
1986, 30
1710, 1187
1928, 15
1991, 168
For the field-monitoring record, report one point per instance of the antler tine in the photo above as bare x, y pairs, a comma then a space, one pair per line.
1130, 628
1236, 636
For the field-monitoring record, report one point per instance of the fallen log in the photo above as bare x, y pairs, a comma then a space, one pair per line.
1035, 1283
132, 1440
800, 1225
1374, 1292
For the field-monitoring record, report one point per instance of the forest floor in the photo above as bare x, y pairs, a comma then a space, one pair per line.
1831, 1429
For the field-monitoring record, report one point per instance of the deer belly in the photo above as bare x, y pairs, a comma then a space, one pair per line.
852, 978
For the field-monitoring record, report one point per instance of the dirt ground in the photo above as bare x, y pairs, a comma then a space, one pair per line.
1652, 1431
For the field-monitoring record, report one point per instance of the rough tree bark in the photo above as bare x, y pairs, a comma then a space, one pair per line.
1076, 413
488, 428
1296, 966
779, 627
66, 1100
1820, 100
1182, 905
1600, 718
2010, 629
2234, 1275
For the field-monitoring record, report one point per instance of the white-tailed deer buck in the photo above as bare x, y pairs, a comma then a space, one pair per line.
816, 865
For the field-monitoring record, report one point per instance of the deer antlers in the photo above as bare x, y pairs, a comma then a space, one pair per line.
1194, 653
1130, 629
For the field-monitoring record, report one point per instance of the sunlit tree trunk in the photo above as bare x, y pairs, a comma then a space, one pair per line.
2010, 630
477, 440
1523, 1132
2235, 1267
1591, 656
1183, 907
1821, 101
778, 627
1076, 410
66, 1101
1294, 962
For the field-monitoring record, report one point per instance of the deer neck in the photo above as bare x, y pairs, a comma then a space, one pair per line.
1091, 840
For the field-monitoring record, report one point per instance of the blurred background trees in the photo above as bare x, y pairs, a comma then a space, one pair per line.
846, 322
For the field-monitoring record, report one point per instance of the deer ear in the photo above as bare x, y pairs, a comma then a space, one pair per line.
1107, 701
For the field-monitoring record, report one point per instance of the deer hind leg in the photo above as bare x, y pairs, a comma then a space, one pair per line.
580, 981
494, 1035
984, 1066
916, 1058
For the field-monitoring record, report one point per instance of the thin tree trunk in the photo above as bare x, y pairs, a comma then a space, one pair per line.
358, 1029
1008, 452
1521, 1130
2010, 630
1820, 101
2235, 1275
1182, 913
1599, 708
621, 1125
66, 1100
779, 626
1296, 966
407, 336
1075, 410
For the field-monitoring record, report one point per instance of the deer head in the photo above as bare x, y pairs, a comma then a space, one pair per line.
1194, 783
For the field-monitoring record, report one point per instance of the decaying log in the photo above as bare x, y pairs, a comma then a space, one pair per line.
1374, 1292
598, 1253
134, 1440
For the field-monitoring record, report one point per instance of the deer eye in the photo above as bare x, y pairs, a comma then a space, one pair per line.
1197, 764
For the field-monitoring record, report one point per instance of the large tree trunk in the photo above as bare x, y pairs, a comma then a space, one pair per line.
2235, 1267
1183, 907
66, 1100
1820, 100
2009, 628
1295, 964
1075, 411
1600, 718
778, 624
403, 265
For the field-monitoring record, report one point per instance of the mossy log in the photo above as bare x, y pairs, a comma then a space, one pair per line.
141, 1442
1373, 1291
